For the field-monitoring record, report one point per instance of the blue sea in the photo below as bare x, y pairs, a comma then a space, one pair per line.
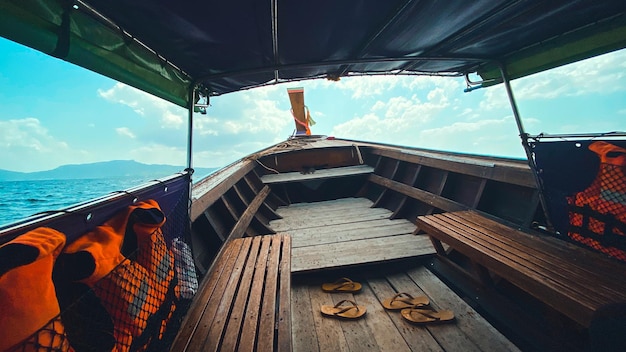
20, 199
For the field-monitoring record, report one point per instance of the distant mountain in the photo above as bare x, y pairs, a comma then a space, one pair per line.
106, 169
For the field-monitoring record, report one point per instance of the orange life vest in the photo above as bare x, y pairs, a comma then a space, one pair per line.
30, 311
597, 215
132, 290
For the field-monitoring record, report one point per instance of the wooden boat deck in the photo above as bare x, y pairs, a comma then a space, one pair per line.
382, 330
346, 232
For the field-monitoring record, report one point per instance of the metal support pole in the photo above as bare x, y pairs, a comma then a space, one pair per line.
524, 136
192, 94
189, 169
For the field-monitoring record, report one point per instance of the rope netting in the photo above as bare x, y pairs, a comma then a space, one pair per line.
126, 286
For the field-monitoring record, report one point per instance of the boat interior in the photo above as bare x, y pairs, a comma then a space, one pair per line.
350, 209
312, 243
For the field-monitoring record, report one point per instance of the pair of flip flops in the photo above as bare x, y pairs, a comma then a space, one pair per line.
414, 309
345, 309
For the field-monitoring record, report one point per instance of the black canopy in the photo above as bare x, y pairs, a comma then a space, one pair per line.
165, 47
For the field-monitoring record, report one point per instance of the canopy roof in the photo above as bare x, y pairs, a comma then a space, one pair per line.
166, 47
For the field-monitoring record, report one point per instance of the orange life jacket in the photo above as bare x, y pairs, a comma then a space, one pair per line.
597, 215
132, 290
30, 311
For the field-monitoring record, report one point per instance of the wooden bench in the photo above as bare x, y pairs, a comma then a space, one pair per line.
318, 174
574, 281
244, 302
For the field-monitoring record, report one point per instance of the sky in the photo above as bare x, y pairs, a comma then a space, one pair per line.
54, 113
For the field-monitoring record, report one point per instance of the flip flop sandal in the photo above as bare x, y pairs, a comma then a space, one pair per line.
405, 300
342, 285
427, 316
352, 311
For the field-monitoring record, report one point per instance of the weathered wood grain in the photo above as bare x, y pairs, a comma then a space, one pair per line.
245, 304
477, 329
318, 174
363, 230
358, 252
245, 219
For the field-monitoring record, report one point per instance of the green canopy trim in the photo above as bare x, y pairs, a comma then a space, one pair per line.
559, 51
93, 45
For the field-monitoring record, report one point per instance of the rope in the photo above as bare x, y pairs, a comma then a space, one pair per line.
358, 153
267, 168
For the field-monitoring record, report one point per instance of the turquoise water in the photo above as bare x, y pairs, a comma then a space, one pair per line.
20, 199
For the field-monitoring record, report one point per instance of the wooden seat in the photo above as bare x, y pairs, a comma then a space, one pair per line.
244, 302
572, 280
318, 174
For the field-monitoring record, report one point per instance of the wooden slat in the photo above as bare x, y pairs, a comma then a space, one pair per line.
421, 195
244, 221
360, 252
284, 298
303, 332
331, 205
417, 338
379, 323
312, 218
287, 225
351, 232
236, 316
478, 330
225, 260
318, 174
330, 336
250, 324
209, 334
268, 309
449, 336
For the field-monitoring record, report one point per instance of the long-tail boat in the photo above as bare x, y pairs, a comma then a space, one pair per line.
321, 243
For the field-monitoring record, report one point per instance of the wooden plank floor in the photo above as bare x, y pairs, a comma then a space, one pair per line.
347, 232
382, 330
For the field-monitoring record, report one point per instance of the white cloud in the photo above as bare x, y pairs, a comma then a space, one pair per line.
26, 145
371, 86
126, 132
172, 120
169, 116
205, 125
600, 75
487, 136
396, 119
125, 95
255, 115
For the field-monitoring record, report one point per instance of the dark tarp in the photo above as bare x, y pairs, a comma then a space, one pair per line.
225, 46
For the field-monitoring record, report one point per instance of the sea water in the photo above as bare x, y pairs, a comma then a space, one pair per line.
20, 199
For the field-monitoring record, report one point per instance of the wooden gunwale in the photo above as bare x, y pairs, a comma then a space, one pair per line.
509, 172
